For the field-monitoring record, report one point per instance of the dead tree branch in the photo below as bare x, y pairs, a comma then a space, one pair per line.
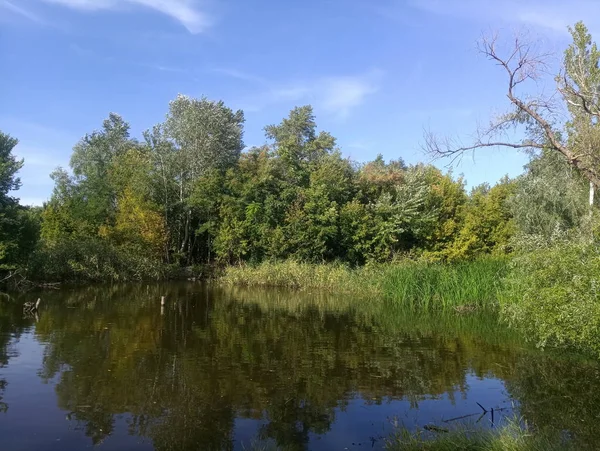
521, 64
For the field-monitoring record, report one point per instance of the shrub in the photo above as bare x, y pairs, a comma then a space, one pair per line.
553, 295
90, 259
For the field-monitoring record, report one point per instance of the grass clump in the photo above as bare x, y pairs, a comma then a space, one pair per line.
511, 437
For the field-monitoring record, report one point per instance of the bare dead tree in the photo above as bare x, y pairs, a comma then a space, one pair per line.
539, 115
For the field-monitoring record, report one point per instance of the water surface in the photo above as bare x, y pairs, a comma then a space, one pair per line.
223, 369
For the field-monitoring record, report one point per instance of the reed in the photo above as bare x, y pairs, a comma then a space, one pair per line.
305, 276
474, 284
464, 285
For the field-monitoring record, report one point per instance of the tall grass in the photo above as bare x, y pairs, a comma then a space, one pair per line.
513, 436
433, 286
291, 274
411, 284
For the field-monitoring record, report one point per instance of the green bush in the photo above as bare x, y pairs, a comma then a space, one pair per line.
90, 259
553, 295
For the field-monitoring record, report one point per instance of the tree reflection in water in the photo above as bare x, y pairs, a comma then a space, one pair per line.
292, 360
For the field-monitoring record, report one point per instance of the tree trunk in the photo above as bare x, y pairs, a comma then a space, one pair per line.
592, 192
186, 232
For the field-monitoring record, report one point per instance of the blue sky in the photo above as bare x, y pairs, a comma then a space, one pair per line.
376, 71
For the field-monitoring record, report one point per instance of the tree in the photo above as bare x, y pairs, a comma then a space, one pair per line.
91, 161
377, 177
9, 207
138, 227
9, 166
487, 226
549, 198
298, 145
577, 85
86, 201
403, 219
448, 198
197, 137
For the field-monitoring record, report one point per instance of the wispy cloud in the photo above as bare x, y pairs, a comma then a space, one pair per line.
335, 95
340, 95
18, 10
552, 15
187, 12
238, 74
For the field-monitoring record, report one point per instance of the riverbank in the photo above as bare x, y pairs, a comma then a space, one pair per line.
550, 294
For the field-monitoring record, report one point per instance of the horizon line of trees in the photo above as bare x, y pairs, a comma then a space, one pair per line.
187, 195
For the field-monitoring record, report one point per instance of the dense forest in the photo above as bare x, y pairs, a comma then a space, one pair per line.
189, 195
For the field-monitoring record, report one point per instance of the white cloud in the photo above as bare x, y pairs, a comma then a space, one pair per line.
551, 15
186, 12
335, 95
20, 11
340, 95
238, 74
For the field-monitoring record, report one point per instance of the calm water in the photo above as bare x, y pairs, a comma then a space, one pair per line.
222, 369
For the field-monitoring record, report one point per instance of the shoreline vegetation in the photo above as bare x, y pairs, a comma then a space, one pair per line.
511, 435
412, 284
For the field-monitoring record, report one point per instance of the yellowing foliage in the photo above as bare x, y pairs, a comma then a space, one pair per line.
137, 224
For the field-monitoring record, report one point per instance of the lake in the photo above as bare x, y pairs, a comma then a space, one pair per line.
240, 369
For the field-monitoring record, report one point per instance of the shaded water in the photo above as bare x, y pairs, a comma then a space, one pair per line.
223, 369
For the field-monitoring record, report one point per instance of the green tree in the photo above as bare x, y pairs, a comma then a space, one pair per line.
488, 225
402, 217
578, 82
448, 198
198, 136
91, 162
9, 166
19, 226
549, 199
253, 206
